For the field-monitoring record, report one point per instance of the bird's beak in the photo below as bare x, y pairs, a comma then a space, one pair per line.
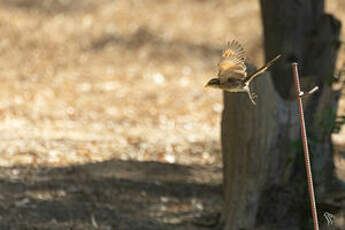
213, 83
207, 85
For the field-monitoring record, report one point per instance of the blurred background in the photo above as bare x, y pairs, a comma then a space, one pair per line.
85, 82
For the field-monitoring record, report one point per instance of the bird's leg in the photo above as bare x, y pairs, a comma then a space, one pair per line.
252, 96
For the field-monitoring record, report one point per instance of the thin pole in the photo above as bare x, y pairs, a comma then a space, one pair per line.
299, 96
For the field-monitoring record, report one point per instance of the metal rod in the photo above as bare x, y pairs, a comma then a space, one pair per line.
302, 94
305, 146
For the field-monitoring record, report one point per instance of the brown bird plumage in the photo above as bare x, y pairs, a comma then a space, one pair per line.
232, 73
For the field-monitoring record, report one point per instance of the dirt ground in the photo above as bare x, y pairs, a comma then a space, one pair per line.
104, 122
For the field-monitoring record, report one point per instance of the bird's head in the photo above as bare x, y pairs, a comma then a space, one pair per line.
213, 83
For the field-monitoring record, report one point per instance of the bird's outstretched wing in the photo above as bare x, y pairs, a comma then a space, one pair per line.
232, 63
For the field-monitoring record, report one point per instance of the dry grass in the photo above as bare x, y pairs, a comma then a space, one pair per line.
85, 81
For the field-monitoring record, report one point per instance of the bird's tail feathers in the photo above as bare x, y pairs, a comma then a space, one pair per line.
272, 61
261, 70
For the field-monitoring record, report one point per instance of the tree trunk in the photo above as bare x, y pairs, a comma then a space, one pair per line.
264, 173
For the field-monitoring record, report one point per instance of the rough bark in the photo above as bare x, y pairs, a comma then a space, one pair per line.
251, 149
264, 174
302, 32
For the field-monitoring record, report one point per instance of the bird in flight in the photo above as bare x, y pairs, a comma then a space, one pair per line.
232, 74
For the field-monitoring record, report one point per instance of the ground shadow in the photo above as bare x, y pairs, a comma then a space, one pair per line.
108, 195
170, 49
51, 7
